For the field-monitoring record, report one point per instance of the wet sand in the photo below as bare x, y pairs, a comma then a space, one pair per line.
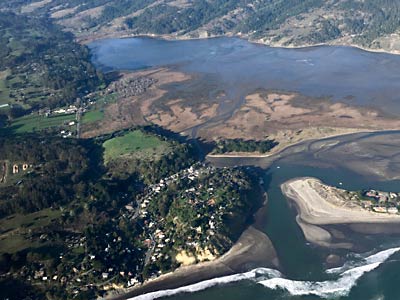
335, 132
318, 205
253, 249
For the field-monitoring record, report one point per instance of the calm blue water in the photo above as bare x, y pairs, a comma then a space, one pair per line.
347, 74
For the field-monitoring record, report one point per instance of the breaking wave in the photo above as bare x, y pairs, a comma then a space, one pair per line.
378, 257
347, 277
324, 289
251, 275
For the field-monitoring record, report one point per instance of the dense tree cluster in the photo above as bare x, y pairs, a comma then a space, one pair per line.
381, 17
267, 15
165, 19
67, 178
240, 145
44, 65
125, 254
365, 20
57, 173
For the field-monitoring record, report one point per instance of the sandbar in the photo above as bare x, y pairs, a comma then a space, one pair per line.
318, 205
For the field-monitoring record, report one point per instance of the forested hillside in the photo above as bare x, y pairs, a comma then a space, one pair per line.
369, 23
76, 215
41, 65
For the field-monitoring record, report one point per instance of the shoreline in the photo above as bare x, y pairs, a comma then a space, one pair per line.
230, 262
314, 209
314, 213
253, 249
279, 151
170, 37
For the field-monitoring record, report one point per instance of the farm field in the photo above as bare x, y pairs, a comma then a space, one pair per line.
92, 116
96, 112
33, 123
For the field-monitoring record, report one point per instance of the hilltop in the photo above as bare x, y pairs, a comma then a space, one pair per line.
371, 24
82, 217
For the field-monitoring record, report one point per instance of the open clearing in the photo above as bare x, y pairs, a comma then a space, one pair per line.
134, 144
13, 229
96, 112
93, 116
35, 123
4, 90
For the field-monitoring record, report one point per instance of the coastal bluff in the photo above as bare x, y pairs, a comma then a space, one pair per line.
253, 249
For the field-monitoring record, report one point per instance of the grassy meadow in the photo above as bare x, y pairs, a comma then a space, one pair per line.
33, 123
134, 144
14, 227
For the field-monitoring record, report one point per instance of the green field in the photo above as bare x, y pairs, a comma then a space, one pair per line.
14, 229
17, 84
4, 90
96, 112
134, 144
35, 123
92, 116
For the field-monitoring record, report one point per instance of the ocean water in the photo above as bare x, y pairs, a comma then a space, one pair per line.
373, 274
340, 285
340, 73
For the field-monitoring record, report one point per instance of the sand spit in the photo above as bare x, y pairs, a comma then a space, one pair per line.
319, 204
252, 249
318, 134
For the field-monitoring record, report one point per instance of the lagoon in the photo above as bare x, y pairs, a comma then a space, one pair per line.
344, 74
239, 67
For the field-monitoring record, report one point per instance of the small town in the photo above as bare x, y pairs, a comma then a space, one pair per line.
181, 220
127, 86
381, 202
203, 198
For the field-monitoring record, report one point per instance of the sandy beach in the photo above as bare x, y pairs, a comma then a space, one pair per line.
253, 249
318, 205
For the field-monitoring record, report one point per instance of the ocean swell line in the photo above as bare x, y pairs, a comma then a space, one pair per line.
253, 274
348, 275
347, 279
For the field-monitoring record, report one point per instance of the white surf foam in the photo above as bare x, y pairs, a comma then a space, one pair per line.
251, 275
324, 289
348, 275
377, 257
331, 288
382, 256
